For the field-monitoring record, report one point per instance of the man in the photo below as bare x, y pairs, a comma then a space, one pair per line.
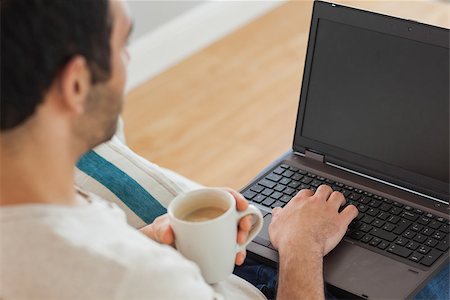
63, 75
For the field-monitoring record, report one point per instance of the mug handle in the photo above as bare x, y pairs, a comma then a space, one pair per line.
251, 210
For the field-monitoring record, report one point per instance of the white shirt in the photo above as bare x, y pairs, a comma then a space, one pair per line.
90, 252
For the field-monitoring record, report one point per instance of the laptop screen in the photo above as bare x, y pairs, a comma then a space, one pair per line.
380, 100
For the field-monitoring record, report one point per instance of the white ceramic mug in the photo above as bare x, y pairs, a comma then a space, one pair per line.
212, 243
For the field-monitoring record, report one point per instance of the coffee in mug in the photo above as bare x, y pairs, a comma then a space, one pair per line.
203, 214
205, 223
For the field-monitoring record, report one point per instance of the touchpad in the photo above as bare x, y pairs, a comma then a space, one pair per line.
368, 274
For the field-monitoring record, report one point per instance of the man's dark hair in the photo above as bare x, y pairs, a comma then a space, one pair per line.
38, 37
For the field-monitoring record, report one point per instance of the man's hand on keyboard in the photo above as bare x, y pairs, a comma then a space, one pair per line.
311, 221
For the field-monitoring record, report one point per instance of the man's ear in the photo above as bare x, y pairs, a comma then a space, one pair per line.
75, 83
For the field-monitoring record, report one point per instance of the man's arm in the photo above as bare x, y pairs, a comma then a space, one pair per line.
300, 276
304, 231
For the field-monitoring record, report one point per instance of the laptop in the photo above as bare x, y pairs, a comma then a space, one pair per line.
373, 123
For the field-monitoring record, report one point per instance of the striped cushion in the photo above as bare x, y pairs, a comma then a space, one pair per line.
142, 189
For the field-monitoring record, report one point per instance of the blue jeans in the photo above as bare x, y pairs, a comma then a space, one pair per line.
265, 277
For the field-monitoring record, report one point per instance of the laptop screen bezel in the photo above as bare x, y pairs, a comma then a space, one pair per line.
381, 23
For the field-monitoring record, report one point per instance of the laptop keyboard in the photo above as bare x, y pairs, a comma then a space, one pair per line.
382, 224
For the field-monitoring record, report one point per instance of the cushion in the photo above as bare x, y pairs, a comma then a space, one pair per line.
142, 189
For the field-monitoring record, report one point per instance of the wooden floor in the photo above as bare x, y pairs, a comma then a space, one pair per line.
221, 115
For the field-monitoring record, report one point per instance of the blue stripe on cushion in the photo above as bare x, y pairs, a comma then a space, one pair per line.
130, 192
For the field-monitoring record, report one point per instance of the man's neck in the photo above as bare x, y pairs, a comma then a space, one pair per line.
35, 169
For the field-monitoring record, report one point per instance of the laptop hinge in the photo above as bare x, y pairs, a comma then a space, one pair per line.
314, 155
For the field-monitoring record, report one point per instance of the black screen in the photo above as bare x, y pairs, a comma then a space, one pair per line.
380, 96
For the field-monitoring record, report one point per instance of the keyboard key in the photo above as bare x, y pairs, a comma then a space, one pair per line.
420, 238
442, 245
304, 187
259, 198
316, 183
303, 172
329, 181
375, 203
431, 242
399, 250
416, 227
276, 195
373, 212
297, 177
423, 220
306, 180
311, 175
336, 188
438, 235
385, 207
279, 187
321, 178
278, 170
293, 169
356, 235
284, 166
378, 223
397, 204
382, 234
365, 227
389, 227
368, 219
435, 224
415, 257
409, 234
427, 231
412, 245
354, 196
268, 202
444, 228
366, 239
278, 204
388, 201
257, 188
409, 216
418, 211
347, 187
267, 192
401, 226
441, 219
393, 219
288, 173
290, 191
383, 216
365, 200
375, 242
249, 195
402, 241
423, 249
285, 198
430, 258
284, 181
362, 208
408, 208
428, 215
383, 245
395, 211
267, 183
345, 193
294, 184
